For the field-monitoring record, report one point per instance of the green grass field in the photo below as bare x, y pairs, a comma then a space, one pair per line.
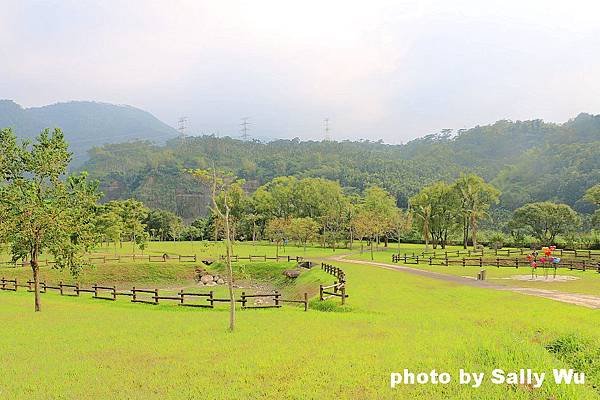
587, 282
79, 348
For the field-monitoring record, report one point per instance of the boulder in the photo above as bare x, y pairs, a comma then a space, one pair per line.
306, 264
220, 281
207, 278
291, 273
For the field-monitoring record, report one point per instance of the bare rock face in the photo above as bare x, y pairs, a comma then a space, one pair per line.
205, 279
291, 273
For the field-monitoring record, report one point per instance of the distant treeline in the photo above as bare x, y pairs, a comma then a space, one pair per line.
527, 161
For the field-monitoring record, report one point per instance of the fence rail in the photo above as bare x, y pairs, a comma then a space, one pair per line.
580, 265
153, 296
118, 258
252, 258
338, 287
444, 254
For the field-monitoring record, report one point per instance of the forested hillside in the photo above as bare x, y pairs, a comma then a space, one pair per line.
528, 161
85, 123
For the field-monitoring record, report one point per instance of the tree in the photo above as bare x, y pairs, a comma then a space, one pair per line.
475, 196
42, 208
163, 224
421, 210
592, 195
382, 207
109, 224
278, 230
362, 225
303, 230
401, 224
440, 204
545, 220
133, 213
221, 183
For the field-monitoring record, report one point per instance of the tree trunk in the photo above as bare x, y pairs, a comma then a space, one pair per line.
372, 250
229, 271
465, 232
351, 239
474, 231
35, 268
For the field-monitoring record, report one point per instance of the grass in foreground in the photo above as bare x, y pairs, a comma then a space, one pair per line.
84, 349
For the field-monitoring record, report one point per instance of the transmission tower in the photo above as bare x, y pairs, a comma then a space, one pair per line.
182, 126
244, 129
327, 134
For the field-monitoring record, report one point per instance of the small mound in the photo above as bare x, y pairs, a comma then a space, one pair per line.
542, 278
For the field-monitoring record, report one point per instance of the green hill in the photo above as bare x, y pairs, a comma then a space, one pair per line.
527, 160
85, 123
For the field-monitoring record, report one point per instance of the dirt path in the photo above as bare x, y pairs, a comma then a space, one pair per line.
572, 298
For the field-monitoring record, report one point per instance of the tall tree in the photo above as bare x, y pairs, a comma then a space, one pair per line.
475, 196
42, 208
441, 203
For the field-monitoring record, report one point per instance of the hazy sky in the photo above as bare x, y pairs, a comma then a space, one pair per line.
377, 69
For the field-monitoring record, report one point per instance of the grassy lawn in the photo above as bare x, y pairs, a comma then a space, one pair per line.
587, 282
78, 348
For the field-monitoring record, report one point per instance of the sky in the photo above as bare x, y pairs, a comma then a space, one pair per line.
377, 69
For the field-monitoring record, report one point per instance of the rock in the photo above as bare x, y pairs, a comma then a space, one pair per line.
210, 284
291, 273
220, 281
206, 279
306, 264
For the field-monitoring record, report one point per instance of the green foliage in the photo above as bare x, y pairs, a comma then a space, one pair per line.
41, 208
546, 220
163, 225
527, 160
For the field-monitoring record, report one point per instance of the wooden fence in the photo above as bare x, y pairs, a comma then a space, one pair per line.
236, 258
338, 289
153, 296
444, 254
117, 258
581, 265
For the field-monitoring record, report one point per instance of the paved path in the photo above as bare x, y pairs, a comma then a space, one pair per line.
572, 298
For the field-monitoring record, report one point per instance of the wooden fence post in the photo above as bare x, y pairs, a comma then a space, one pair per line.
321, 292
60, 286
305, 301
343, 294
